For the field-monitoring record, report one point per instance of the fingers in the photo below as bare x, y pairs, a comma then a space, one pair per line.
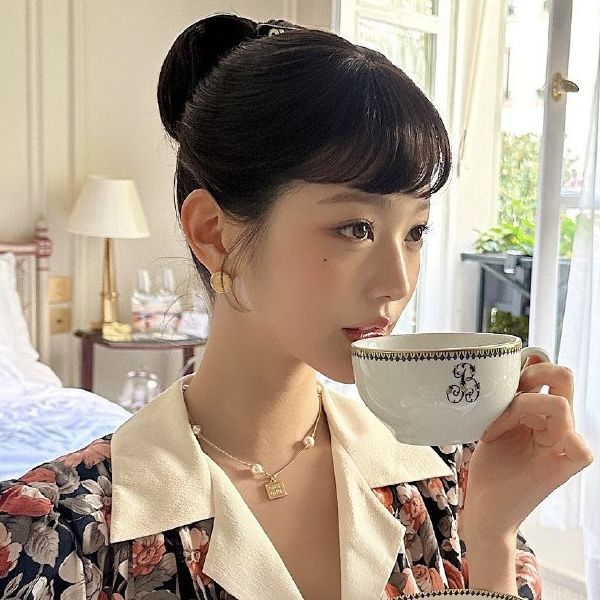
532, 360
535, 422
549, 416
574, 455
576, 451
558, 378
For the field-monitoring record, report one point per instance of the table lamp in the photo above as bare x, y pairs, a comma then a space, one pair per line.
108, 208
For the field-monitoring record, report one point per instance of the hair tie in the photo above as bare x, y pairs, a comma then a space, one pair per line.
271, 27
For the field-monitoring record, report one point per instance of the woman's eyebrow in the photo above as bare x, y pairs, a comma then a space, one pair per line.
371, 199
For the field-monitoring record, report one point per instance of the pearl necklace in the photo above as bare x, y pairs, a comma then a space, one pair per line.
275, 488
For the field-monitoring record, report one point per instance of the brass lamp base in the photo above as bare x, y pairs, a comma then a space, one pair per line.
116, 332
109, 325
109, 295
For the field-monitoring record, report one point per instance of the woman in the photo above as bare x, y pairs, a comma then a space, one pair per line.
316, 159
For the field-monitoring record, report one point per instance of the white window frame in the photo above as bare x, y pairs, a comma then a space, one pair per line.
551, 197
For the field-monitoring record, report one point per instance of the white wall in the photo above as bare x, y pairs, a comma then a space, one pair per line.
81, 99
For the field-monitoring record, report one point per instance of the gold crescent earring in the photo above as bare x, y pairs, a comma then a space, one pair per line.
220, 282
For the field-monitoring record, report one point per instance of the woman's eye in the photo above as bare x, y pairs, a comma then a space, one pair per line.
422, 230
356, 226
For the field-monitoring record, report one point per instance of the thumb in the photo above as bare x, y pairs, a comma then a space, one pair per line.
532, 360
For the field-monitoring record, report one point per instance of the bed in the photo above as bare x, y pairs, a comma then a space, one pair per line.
40, 419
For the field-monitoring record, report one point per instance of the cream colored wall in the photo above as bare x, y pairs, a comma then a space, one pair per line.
81, 99
36, 150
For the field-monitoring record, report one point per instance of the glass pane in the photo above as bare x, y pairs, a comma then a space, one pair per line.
374, 3
569, 221
413, 51
421, 7
424, 7
526, 46
582, 57
505, 282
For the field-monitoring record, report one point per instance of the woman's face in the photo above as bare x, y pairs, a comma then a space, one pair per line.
332, 264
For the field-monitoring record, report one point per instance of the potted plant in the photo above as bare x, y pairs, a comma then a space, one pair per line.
515, 230
518, 192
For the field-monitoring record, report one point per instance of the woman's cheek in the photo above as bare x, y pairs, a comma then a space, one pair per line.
337, 276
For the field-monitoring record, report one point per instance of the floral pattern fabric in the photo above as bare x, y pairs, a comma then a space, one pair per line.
55, 522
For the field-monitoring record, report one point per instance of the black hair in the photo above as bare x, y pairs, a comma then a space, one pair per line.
254, 113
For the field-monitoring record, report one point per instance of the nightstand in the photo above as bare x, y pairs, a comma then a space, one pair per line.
89, 339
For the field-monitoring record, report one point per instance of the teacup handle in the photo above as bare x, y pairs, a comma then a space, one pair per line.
534, 351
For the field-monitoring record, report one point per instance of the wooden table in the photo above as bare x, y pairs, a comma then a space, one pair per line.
89, 339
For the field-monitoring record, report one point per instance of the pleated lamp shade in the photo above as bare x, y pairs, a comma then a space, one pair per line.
108, 208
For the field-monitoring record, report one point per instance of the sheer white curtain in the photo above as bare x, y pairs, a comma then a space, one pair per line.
577, 504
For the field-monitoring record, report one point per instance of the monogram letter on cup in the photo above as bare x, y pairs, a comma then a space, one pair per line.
469, 387
439, 389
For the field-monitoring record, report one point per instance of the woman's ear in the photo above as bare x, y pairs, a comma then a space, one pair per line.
205, 228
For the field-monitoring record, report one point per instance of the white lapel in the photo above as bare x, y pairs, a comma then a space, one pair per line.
378, 456
370, 536
160, 478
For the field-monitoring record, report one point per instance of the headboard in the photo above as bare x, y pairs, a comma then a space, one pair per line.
32, 285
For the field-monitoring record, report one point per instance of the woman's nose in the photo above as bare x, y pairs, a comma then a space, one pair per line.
395, 276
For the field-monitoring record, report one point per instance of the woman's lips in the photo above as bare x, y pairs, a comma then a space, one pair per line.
358, 334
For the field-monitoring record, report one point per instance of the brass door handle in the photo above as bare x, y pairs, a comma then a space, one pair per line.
562, 86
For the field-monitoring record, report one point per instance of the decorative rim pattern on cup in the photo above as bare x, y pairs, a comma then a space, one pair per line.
467, 593
445, 354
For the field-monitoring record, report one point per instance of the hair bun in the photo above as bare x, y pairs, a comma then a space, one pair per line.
194, 53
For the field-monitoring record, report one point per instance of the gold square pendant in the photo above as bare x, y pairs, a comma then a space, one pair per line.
275, 489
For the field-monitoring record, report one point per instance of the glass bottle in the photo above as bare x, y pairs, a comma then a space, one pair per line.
140, 387
141, 311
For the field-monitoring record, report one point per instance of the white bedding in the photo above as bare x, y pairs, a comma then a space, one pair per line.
40, 421
39, 418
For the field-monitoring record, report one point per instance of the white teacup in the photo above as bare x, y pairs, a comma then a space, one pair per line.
439, 389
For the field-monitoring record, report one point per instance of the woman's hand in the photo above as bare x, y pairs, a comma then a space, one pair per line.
530, 450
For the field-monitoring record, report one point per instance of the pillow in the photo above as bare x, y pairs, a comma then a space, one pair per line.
23, 370
37, 372
13, 327
14, 333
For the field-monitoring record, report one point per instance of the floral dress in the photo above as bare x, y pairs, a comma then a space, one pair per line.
55, 525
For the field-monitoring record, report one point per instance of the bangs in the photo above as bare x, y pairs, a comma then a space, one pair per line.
385, 136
